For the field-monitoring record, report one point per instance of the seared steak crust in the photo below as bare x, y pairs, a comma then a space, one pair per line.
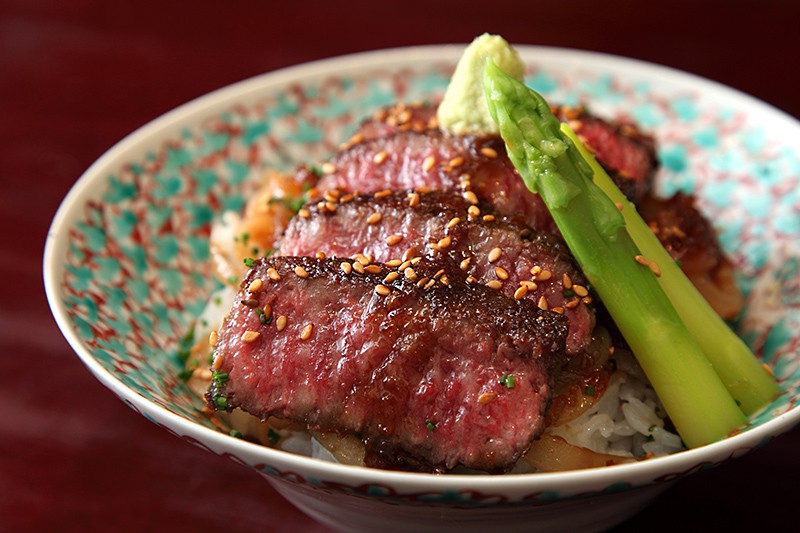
411, 367
490, 249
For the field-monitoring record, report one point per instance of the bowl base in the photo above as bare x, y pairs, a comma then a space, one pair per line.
352, 513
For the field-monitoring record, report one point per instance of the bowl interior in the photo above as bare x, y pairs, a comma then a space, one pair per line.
127, 263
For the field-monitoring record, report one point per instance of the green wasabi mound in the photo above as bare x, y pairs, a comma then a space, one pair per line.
464, 110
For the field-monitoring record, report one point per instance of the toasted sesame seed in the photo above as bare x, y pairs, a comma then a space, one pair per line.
217, 364
544, 275
456, 162
464, 264
438, 273
300, 272
374, 218
487, 397
423, 189
382, 290
474, 211
363, 259
304, 213
566, 281
280, 322
404, 265
372, 269
255, 285
642, 260
306, 333
391, 240
410, 274
543, 303
495, 254
654, 268
320, 255
332, 195
313, 193
346, 198
532, 286
413, 199
267, 311
619, 206
520, 292
587, 300
453, 222
358, 267
356, 138
250, 302
391, 276
330, 206
470, 197
394, 263
495, 284
559, 310
273, 274
380, 157
422, 281
428, 163
488, 218
572, 304
410, 254
580, 290
416, 260
536, 270
444, 280
501, 273
346, 267
444, 243
382, 194
213, 337
250, 335
429, 284
491, 153
328, 167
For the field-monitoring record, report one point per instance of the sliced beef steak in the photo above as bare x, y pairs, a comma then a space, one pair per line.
431, 373
402, 148
435, 160
490, 249
625, 152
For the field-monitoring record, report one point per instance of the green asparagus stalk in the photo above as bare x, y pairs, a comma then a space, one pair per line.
695, 398
741, 372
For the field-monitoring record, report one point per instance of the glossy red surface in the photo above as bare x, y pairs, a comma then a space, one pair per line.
77, 76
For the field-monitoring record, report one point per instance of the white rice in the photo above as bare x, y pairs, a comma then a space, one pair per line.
627, 421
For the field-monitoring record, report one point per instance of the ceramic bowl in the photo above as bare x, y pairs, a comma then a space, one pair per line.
127, 271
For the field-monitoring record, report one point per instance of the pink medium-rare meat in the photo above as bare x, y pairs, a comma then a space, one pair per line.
436, 160
625, 152
490, 249
408, 160
431, 373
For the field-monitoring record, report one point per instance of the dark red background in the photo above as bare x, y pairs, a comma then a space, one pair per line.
76, 76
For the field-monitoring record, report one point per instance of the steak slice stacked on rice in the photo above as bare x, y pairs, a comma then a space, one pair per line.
490, 249
430, 373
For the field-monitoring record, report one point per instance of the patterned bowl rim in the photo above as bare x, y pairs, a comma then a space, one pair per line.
192, 113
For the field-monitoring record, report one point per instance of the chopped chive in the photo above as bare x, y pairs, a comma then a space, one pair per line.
273, 436
507, 381
430, 425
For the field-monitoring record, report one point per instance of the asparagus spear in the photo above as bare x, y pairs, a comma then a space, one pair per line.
741, 372
696, 400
